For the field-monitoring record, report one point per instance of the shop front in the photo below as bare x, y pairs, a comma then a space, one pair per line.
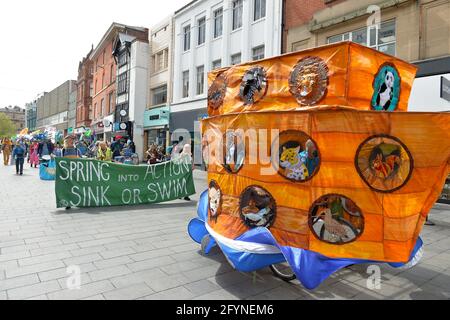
156, 127
188, 122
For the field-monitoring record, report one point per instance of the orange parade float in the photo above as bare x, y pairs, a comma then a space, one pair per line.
315, 151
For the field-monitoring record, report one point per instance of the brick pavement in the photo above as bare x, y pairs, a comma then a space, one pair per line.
144, 252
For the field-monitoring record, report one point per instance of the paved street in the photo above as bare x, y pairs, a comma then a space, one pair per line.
145, 253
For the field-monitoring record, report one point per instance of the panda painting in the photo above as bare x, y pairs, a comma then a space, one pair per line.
386, 87
385, 94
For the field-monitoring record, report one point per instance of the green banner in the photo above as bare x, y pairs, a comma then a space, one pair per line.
92, 183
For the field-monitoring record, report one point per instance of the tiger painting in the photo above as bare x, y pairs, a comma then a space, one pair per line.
290, 160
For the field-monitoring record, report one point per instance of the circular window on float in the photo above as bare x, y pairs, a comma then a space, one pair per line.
214, 200
336, 219
217, 91
233, 150
308, 81
257, 207
298, 156
384, 163
253, 86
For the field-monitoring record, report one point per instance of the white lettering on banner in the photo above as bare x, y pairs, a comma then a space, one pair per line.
151, 187
88, 171
90, 195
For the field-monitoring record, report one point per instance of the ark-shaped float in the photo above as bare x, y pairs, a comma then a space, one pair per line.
313, 159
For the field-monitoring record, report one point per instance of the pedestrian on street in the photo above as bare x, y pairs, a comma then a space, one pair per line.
186, 157
7, 148
19, 155
34, 158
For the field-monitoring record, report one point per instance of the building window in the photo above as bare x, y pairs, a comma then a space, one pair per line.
122, 83
237, 14
259, 9
200, 79
103, 79
384, 40
236, 59
96, 86
187, 37
102, 107
111, 102
159, 95
258, 53
111, 74
91, 89
216, 64
185, 84
95, 110
123, 58
201, 30
218, 22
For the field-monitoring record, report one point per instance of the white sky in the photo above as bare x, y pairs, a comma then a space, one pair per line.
42, 41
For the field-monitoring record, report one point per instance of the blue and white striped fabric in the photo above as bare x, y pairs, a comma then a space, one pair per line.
257, 249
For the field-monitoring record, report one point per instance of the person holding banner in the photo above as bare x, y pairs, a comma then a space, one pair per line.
69, 150
104, 153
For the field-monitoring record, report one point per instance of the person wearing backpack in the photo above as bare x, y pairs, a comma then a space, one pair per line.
19, 155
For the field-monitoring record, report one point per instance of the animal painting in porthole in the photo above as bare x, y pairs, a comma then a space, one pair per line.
386, 88
298, 156
233, 150
384, 163
217, 91
257, 207
308, 81
215, 200
336, 219
253, 86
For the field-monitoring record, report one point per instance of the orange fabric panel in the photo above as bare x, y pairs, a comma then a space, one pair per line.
392, 220
351, 69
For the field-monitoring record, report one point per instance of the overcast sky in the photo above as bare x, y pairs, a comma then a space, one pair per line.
43, 40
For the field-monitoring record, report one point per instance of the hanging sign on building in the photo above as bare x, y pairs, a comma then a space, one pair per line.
445, 88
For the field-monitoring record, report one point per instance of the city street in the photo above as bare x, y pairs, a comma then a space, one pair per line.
145, 252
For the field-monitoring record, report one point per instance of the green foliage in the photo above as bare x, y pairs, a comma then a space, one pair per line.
7, 127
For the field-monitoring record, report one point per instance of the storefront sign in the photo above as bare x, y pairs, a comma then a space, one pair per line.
92, 183
445, 88
157, 117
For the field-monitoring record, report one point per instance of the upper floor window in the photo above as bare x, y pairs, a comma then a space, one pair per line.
237, 14
123, 58
258, 53
185, 84
216, 64
200, 79
122, 83
159, 95
218, 22
259, 9
111, 74
161, 60
201, 30
187, 38
382, 39
236, 59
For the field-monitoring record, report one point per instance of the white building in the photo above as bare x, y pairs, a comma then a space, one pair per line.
431, 88
156, 117
210, 34
132, 83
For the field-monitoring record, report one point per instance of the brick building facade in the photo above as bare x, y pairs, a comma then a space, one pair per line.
104, 75
84, 92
